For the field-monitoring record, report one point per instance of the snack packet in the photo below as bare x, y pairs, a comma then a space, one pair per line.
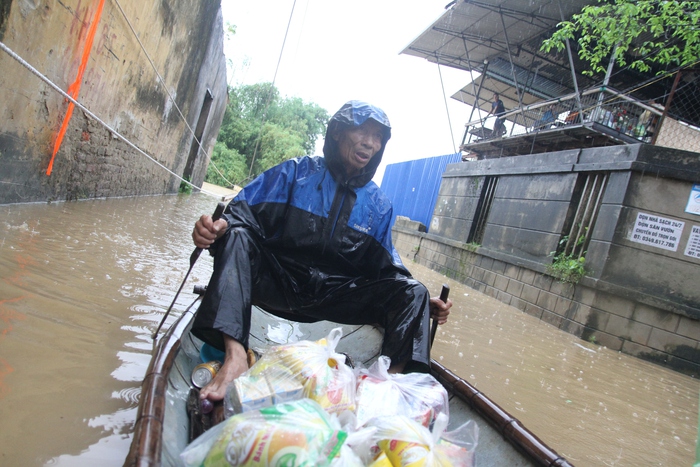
416, 395
273, 386
321, 371
296, 433
406, 443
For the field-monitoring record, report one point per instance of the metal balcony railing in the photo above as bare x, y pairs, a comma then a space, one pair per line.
618, 113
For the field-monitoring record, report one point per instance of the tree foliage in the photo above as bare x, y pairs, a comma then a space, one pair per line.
259, 130
639, 33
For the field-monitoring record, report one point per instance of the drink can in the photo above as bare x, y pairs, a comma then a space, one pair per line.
204, 372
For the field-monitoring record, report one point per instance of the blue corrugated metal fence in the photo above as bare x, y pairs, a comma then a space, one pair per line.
413, 186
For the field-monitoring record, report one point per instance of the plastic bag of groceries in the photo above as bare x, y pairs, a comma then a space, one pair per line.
416, 395
296, 433
404, 442
316, 366
359, 447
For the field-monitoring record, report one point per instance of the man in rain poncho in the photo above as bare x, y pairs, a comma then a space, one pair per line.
310, 240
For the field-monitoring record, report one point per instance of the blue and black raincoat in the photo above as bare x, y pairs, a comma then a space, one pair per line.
308, 243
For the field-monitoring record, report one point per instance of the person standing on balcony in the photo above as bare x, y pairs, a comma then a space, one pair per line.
497, 109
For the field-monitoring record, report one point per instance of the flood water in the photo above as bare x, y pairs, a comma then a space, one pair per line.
83, 285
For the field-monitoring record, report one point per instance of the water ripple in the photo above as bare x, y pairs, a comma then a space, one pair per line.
129, 395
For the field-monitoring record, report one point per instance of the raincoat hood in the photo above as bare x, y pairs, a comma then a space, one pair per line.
354, 113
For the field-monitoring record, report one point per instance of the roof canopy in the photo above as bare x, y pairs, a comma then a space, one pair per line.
500, 39
498, 79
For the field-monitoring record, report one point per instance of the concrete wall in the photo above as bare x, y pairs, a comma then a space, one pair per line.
183, 38
638, 298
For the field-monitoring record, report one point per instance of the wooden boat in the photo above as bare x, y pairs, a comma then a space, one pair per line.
162, 424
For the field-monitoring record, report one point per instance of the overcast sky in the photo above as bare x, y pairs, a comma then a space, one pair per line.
337, 51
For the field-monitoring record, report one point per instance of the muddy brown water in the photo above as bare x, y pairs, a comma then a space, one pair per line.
84, 284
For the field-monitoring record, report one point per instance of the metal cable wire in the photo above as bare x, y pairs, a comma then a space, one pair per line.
114, 132
172, 99
269, 97
447, 110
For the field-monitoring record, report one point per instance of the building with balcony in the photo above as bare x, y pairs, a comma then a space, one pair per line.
602, 171
550, 104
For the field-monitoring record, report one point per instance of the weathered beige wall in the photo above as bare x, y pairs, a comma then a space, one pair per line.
596, 315
183, 38
640, 298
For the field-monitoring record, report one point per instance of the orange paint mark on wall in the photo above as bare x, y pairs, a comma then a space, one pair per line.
74, 88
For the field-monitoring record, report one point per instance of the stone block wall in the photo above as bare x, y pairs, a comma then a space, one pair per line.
153, 96
596, 316
637, 296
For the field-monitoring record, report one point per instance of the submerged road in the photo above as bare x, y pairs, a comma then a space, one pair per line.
84, 284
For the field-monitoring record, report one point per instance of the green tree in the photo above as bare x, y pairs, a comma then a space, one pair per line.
259, 130
309, 121
277, 145
638, 33
229, 165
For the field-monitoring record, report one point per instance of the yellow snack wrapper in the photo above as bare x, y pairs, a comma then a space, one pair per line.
317, 367
296, 434
405, 453
407, 443
381, 461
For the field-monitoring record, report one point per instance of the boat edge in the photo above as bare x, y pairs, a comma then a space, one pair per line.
147, 441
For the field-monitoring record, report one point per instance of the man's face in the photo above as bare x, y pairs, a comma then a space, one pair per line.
357, 145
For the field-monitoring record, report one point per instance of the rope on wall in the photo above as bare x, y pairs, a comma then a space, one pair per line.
114, 132
200, 149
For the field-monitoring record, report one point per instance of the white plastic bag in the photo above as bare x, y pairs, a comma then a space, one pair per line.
357, 451
416, 395
317, 366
